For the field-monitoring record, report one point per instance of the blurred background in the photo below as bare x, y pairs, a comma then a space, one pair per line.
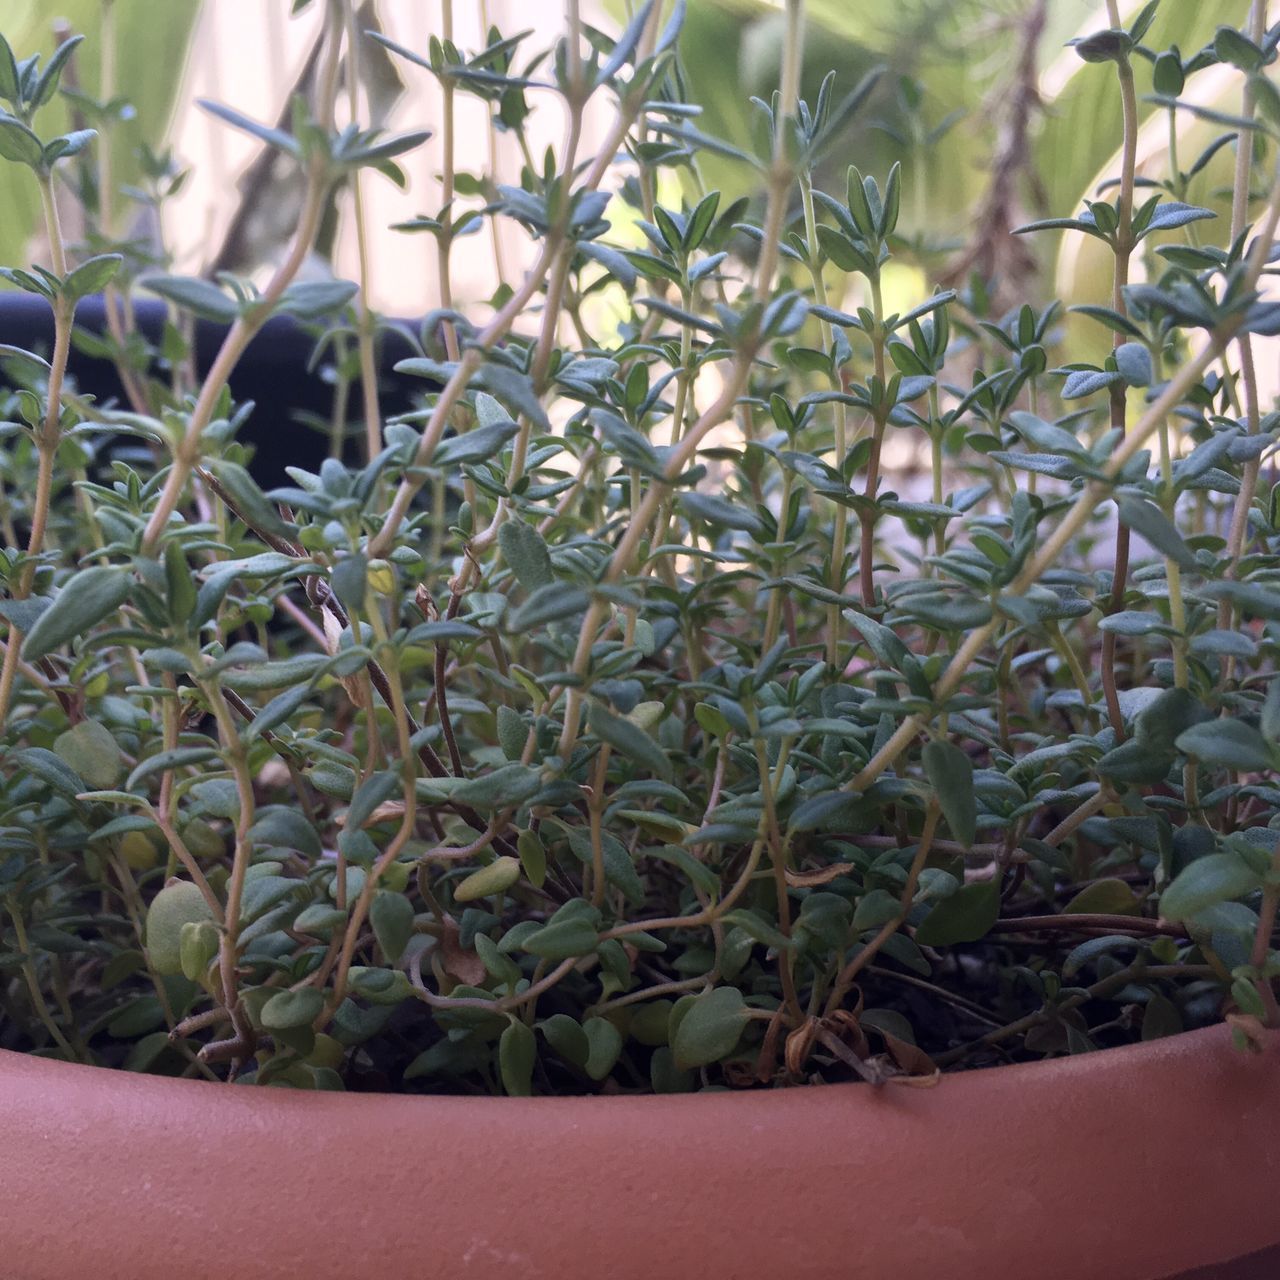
994, 114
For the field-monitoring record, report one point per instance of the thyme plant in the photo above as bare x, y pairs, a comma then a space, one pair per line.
610, 723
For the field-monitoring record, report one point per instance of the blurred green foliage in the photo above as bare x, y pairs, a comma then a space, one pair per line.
151, 40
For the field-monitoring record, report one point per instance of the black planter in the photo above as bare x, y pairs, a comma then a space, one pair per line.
272, 373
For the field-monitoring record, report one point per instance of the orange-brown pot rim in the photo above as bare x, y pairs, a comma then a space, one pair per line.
1126, 1164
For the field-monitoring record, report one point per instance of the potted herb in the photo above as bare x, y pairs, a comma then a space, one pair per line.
610, 736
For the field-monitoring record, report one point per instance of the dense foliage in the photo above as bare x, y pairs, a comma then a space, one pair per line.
610, 722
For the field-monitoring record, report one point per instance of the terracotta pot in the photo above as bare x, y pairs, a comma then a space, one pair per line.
1129, 1164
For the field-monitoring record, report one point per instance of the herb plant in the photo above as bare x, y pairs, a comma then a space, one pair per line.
610, 723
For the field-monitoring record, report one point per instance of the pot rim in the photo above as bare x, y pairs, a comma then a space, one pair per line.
970, 1179
1202, 1038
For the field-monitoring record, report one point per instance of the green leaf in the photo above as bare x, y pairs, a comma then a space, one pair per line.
1045, 435
890, 651
1147, 519
1269, 720
1134, 362
350, 581
496, 878
512, 732
1160, 1018
700, 220
710, 1028
1085, 382
563, 938
391, 915
47, 85
720, 511
605, 1041
711, 720
9, 84
252, 504
19, 144
68, 144
201, 297
277, 711
757, 927
875, 909
632, 447
950, 773
1250, 598
1104, 46
892, 197
966, 916
526, 552
552, 603
264, 133
566, 1036
85, 599
842, 251
198, 945
50, 769
517, 1054
22, 614
477, 445
1217, 877
371, 793
1241, 53
1173, 213
827, 811
1109, 897
506, 786
1138, 28
179, 902
533, 858
382, 986
91, 275
696, 871
316, 299
1090, 950
91, 750
619, 869
287, 1010
1133, 622
319, 919
633, 742
181, 584
1227, 744
179, 758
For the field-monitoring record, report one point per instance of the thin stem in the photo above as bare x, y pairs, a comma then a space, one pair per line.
867, 518
360, 911
228, 952
1138, 971
1262, 941
497, 329
1081, 511
839, 533
778, 862
38, 1002
1239, 216
1123, 247
869, 952
444, 241
117, 314
735, 380
1072, 662
364, 316
1172, 570
247, 324
48, 437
